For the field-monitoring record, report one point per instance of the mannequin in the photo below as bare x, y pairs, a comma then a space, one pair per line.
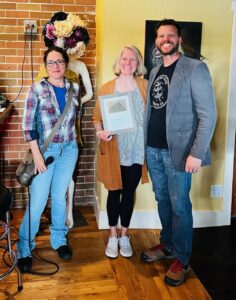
80, 69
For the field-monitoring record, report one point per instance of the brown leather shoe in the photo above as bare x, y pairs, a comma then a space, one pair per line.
156, 253
176, 274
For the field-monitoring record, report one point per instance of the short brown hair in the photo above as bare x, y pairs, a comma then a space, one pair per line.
59, 50
172, 22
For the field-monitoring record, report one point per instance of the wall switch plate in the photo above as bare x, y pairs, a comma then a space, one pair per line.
216, 191
30, 27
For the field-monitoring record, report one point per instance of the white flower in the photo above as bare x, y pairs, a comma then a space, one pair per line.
63, 28
60, 42
75, 20
79, 48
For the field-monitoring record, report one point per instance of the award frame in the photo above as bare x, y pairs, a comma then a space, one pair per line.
117, 112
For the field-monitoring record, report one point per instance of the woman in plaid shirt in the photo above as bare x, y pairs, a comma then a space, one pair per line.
45, 103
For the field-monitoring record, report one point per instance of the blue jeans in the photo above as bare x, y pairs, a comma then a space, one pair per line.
171, 190
54, 181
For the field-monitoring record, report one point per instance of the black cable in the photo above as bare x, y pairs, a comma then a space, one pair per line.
7, 252
38, 257
22, 71
31, 54
23, 63
13, 242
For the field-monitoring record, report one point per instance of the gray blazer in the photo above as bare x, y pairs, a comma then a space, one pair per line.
190, 112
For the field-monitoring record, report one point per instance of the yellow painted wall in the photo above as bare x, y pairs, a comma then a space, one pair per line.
122, 22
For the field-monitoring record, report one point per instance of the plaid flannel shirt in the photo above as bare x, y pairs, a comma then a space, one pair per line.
42, 112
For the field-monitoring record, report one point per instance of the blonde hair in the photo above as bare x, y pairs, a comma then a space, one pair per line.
141, 69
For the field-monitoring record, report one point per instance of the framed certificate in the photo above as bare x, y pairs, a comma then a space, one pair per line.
117, 112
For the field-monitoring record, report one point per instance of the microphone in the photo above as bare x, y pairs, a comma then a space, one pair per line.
28, 177
49, 160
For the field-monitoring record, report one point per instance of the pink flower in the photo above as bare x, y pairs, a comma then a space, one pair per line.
50, 31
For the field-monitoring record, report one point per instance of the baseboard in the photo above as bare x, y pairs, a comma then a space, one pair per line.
151, 220
210, 219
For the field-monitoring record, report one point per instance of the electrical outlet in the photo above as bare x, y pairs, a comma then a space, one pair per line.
216, 191
30, 27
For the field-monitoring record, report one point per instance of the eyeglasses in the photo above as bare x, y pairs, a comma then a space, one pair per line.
59, 62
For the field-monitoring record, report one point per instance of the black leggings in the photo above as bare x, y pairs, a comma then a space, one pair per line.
121, 202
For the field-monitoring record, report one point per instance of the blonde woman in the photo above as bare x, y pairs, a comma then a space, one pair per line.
121, 162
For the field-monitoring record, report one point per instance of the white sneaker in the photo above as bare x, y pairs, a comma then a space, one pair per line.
112, 247
125, 246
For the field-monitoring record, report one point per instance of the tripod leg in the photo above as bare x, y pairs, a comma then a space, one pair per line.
12, 254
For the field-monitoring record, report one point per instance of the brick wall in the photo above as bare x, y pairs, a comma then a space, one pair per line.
12, 145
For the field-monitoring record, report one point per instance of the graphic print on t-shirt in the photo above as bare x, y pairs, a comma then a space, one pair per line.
159, 92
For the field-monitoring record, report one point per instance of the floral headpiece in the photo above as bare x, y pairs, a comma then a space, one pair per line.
66, 31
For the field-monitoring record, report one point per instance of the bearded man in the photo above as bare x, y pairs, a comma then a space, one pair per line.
180, 121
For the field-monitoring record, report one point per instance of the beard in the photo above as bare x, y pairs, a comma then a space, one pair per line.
172, 51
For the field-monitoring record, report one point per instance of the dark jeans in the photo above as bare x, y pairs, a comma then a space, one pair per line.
171, 190
120, 203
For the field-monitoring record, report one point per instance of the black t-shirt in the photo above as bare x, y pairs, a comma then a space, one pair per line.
158, 96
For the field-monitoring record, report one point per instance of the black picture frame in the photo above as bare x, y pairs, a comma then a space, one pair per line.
191, 36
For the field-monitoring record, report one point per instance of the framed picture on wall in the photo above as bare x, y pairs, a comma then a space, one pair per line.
191, 45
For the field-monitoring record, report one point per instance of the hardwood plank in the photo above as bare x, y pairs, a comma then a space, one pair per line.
146, 281
91, 275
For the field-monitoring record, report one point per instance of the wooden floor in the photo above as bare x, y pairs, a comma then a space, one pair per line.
90, 275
